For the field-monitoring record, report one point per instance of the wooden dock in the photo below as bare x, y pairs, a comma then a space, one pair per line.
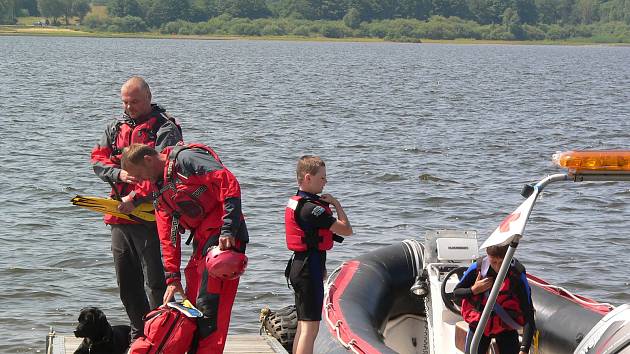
236, 344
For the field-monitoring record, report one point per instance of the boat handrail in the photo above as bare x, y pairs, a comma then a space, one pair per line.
331, 277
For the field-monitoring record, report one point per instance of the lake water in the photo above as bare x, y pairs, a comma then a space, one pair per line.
415, 136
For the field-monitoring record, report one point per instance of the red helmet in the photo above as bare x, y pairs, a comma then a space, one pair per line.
226, 264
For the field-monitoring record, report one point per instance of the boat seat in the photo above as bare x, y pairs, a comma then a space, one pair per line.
461, 330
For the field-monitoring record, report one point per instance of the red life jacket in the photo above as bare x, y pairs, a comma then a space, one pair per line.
297, 238
189, 204
473, 307
142, 133
126, 134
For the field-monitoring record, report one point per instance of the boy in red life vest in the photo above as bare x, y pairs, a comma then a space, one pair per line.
310, 229
513, 309
135, 246
196, 193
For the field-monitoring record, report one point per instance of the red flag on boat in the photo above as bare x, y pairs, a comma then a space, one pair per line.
513, 225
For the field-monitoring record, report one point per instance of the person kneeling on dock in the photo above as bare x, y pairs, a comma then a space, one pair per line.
310, 230
197, 193
513, 309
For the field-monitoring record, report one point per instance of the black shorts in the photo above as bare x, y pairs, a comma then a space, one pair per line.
307, 278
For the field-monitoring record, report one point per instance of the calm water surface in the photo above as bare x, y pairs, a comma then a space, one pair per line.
416, 137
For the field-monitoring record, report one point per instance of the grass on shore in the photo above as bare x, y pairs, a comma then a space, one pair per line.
36, 31
23, 30
70, 32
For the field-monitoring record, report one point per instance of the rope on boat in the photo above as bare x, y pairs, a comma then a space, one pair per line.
575, 298
414, 248
352, 344
333, 274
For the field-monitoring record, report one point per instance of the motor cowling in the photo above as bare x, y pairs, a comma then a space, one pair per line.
225, 264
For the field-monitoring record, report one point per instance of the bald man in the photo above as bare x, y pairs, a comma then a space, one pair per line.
135, 246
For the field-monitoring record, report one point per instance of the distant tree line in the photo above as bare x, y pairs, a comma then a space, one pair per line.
564, 12
53, 9
63, 8
7, 12
400, 30
405, 20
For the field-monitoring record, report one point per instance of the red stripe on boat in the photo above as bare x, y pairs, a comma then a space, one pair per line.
594, 306
335, 313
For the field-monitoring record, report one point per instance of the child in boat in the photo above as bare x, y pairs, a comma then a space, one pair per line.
311, 227
513, 309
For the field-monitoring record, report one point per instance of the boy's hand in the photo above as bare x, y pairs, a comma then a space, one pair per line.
481, 285
329, 199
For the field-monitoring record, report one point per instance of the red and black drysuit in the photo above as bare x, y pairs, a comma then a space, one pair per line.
135, 246
198, 193
307, 229
514, 299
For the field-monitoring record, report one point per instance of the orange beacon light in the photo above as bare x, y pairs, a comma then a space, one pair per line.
594, 161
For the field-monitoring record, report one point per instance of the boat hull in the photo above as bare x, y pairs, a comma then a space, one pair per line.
366, 293
373, 289
562, 322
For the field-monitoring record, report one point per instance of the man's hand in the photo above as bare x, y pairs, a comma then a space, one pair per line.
226, 242
124, 176
171, 290
126, 204
481, 285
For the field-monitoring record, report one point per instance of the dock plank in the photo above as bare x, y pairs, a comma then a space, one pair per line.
236, 344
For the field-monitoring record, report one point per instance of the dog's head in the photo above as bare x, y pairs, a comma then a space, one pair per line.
92, 324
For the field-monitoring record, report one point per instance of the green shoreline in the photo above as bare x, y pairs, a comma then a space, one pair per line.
65, 32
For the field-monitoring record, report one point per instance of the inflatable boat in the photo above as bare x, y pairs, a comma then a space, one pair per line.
380, 303
398, 299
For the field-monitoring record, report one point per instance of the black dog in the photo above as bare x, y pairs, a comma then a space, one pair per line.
98, 336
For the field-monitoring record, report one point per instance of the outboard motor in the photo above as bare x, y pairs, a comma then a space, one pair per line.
610, 336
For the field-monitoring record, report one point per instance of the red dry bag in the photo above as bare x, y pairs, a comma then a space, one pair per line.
166, 330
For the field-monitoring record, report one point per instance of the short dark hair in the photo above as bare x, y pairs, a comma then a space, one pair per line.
134, 154
497, 251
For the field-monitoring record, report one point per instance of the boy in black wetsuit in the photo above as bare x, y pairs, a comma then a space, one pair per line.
310, 227
513, 309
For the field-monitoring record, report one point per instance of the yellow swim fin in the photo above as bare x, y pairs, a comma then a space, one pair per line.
143, 212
